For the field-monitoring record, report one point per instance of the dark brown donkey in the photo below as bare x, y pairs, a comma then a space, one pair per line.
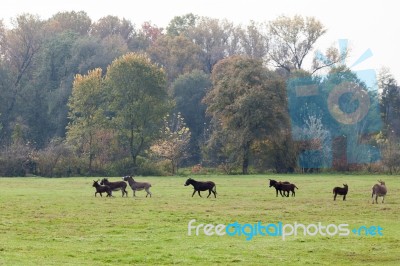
202, 186
341, 191
101, 189
284, 187
274, 183
115, 186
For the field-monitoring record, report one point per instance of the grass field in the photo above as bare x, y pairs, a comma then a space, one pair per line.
60, 222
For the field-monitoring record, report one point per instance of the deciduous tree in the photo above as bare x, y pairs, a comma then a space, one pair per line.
248, 101
138, 99
174, 142
86, 114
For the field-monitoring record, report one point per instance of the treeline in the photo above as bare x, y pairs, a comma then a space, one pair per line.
106, 97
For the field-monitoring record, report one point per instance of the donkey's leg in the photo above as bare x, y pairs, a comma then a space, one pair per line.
209, 193
199, 192
344, 197
193, 193
334, 196
148, 192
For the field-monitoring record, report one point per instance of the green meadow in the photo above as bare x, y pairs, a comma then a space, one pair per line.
59, 222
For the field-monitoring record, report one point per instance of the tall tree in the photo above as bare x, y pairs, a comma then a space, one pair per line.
248, 102
138, 98
254, 41
86, 114
180, 25
215, 37
78, 22
178, 55
174, 142
112, 25
19, 47
188, 91
293, 38
390, 103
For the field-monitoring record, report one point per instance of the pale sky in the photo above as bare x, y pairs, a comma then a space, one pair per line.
366, 24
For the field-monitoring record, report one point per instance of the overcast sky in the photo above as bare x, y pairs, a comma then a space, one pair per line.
366, 24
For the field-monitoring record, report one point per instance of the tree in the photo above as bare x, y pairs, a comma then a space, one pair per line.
86, 114
77, 22
180, 25
248, 101
150, 32
174, 142
292, 39
111, 26
177, 54
317, 149
215, 38
388, 138
188, 91
254, 42
19, 49
390, 103
138, 99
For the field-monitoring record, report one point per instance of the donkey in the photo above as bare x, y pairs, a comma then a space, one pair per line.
341, 191
379, 190
202, 186
285, 187
115, 186
137, 186
272, 183
101, 189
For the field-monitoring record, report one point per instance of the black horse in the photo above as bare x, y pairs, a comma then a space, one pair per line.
202, 186
275, 184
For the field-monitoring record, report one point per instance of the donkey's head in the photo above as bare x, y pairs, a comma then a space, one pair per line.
381, 182
272, 183
188, 182
125, 178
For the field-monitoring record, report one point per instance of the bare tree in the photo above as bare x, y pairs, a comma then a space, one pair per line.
292, 39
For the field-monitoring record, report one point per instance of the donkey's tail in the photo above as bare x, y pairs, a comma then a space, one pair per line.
296, 187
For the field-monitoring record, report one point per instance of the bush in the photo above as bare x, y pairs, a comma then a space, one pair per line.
16, 160
49, 159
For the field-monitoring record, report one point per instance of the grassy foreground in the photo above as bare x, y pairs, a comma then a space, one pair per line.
60, 222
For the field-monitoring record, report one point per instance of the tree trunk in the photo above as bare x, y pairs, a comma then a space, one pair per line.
246, 155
